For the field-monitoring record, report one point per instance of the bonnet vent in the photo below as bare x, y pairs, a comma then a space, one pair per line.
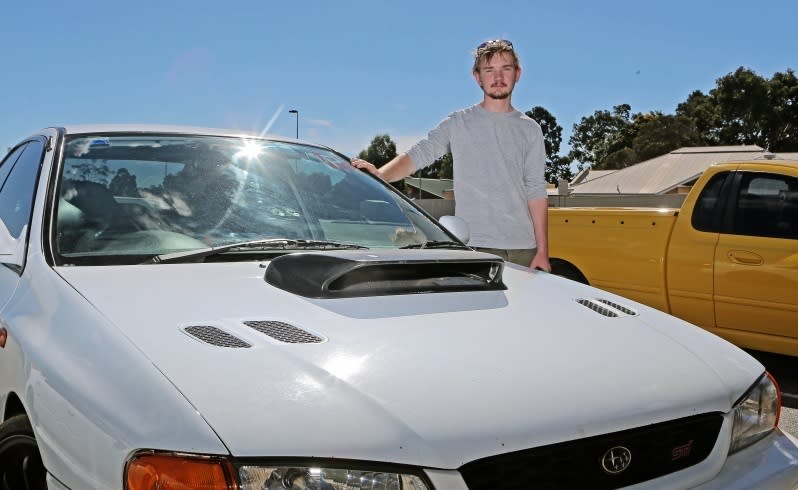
215, 336
284, 332
606, 307
358, 273
621, 308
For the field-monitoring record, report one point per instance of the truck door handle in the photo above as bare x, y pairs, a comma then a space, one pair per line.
744, 257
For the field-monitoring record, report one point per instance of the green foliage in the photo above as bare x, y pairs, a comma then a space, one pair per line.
442, 168
557, 167
648, 136
743, 109
705, 115
381, 150
782, 121
742, 98
596, 136
662, 134
747, 109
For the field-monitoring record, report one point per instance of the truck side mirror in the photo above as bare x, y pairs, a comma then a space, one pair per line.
456, 226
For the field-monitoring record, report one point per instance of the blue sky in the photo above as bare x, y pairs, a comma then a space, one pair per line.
355, 69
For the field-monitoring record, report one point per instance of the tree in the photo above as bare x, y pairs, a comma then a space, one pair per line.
124, 184
96, 171
381, 150
596, 136
747, 109
442, 168
743, 109
703, 112
782, 122
662, 134
619, 151
742, 100
613, 140
557, 167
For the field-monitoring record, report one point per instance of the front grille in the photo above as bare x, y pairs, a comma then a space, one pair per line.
656, 450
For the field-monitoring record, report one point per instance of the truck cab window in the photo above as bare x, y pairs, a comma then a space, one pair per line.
767, 206
706, 216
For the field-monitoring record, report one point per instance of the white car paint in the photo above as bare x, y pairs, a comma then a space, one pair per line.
103, 368
387, 367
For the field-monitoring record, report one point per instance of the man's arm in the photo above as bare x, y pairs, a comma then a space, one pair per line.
397, 169
539, 210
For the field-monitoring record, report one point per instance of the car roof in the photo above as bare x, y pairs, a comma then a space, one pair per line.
773, 161
175, 129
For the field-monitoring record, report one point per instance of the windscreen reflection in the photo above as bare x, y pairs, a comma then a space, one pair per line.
127, 196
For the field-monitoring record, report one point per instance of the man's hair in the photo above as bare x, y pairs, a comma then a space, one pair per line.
487, 50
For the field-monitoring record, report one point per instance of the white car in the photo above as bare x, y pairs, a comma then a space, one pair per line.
185, 308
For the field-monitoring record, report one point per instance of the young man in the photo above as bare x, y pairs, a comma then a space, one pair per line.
499, 157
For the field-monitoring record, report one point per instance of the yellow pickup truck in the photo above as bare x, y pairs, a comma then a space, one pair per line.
727, 260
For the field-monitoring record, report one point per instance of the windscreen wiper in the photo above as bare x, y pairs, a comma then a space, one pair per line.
437, 244
265, 244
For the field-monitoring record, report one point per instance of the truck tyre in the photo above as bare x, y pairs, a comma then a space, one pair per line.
20, 462
567, 270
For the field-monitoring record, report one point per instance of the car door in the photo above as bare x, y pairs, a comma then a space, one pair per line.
756, 263
19, 174
691, 253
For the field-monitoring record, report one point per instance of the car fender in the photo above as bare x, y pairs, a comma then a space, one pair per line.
92, 397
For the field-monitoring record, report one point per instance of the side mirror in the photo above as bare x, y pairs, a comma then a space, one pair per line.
12, 250
456, 226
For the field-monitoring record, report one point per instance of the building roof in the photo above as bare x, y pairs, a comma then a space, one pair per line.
436, 187
588, 174
664, 173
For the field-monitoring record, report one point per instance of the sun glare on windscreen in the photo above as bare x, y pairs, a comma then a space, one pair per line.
250, 150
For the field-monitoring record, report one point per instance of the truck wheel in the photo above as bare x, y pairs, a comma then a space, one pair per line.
567, 270
20, 463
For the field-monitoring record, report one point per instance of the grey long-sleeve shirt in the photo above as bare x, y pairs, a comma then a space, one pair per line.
499, 160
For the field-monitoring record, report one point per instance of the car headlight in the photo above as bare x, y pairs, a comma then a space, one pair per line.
756, 414
324, 478
150, 469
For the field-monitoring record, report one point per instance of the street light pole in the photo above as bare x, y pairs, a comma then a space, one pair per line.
294, 111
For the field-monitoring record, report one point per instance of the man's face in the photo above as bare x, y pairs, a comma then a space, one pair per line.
497, 77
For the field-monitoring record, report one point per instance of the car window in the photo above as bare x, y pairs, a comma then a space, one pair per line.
126, 196
8, 164
705, 213
767, 205
17, 193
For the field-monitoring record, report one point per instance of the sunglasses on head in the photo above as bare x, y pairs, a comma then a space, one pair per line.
495, 41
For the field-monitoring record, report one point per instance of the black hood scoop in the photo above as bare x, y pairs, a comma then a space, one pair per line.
357, 273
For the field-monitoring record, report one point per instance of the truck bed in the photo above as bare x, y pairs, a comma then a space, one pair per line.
632, 242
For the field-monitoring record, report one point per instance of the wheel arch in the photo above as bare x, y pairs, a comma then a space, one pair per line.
563, 268
13, 406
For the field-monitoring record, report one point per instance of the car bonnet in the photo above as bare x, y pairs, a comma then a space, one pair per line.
436, 379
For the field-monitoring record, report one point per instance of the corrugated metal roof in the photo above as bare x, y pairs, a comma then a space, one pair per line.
718, 149
661, 174
595, 174
437, 187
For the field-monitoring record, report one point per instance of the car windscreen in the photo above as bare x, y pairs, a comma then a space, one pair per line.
126, 197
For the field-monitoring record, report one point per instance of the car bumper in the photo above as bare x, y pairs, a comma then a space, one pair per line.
770, 464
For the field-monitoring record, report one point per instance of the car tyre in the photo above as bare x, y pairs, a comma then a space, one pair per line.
567, 270
21, 466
